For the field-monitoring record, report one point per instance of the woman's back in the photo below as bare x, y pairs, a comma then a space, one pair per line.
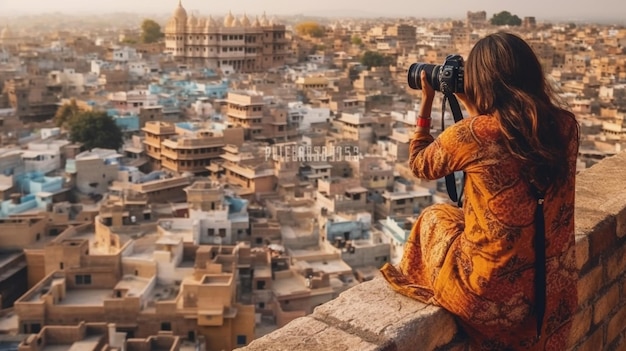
495, 255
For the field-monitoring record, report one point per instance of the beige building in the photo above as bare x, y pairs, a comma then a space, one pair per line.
362, 129
174, 148
93, 171
341, 195
248, 168
102, 276
235, 44
32, 98
100, 337
248, 110
376, 172
166, 189
21, 232
406, 200
476, 19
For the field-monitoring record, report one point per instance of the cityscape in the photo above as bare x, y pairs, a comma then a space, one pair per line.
197, 181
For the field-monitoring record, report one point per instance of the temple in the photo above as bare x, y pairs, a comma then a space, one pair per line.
233, 44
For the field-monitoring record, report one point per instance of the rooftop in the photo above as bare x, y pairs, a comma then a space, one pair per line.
85, 297
89, 343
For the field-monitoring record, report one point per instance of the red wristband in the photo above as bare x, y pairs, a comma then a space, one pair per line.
423, 122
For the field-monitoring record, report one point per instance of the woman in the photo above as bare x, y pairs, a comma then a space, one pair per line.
480, 262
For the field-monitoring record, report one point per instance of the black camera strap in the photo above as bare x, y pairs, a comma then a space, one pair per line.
450, 179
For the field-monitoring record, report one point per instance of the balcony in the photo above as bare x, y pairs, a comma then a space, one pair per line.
372, 317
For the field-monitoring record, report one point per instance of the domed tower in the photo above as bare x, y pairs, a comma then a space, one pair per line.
236, 23
192, 24
211, 24
201, 23
264, 21
229, 19
245, 21
175, 31
6, 33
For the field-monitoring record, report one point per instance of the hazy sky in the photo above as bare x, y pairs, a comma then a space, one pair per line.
541, 9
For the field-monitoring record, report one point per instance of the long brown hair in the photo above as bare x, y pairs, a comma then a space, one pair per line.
503, 78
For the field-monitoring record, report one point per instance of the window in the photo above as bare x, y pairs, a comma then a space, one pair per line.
61, 265
258, 241
261, 305
166, 326
260, 284
82, 279
241, 339
222, 232
210, 232
35, 328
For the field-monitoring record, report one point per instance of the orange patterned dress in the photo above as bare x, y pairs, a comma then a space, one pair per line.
477, 262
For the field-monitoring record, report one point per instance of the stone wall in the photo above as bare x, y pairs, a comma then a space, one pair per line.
372, 317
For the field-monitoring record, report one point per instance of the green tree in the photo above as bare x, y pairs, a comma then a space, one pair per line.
312, 29
129, 41
505, 18
95, 129
65, 113
150, 31
375, 59
356, 40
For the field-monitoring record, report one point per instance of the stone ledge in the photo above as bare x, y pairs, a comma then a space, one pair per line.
370, 316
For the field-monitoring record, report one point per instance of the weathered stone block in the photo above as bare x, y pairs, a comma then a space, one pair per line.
606, 303
580, 325
594, 342
616, 264
589, 285
308, 334
601, 234
377, 311
616, 325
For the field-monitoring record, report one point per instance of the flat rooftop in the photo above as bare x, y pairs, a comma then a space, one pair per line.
162, 292
90, 235
288, 285
87, 344
86, 297
335, 266
262, 272
134, 285
290, 232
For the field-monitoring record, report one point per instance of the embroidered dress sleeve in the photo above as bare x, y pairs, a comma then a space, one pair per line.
432, 159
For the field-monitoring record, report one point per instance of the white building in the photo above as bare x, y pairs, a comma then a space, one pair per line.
305, 115
69, 79
44, 156
124, 54
138, 68
396, 234
132, 101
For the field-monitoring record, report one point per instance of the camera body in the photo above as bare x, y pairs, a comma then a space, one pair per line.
447, 78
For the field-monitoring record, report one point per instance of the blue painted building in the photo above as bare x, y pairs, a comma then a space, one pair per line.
37, 189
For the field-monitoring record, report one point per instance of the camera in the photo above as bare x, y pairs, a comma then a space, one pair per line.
446, 78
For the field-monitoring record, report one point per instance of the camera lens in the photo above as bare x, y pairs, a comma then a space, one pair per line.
432, 75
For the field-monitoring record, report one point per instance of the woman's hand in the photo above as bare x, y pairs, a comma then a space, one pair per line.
428, 93
469, 106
